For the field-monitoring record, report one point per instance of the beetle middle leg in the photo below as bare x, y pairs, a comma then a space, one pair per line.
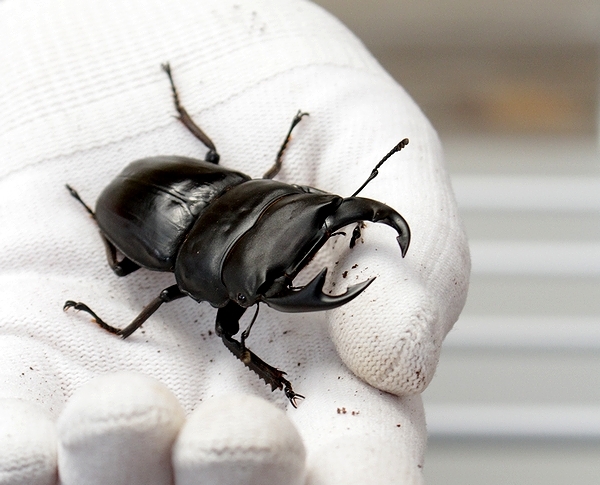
121, 268
212, 156
226, 326
168, 294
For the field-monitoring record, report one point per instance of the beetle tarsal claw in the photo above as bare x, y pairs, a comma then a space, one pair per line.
311, 297
292, 396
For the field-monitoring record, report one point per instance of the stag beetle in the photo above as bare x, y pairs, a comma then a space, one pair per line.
230, 240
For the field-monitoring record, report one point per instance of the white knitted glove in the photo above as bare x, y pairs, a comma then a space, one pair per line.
82, 95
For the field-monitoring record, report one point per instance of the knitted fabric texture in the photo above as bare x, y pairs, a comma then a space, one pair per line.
83, 95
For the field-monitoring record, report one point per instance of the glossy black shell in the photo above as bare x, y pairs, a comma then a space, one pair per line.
149, 208
226, 237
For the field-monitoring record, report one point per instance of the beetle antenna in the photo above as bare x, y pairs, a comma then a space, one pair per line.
375, 172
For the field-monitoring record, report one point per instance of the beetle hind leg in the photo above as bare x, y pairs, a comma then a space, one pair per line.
168, 294
79, 306
120, 268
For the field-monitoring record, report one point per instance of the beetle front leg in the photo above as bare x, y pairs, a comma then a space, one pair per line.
168, 294
226, 326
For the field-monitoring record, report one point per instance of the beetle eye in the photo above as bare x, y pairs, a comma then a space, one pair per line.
241, 297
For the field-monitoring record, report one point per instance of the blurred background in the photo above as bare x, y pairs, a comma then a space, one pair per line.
513, 89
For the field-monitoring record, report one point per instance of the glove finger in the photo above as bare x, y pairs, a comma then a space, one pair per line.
237, 439
391, 335
119, 429
27, 445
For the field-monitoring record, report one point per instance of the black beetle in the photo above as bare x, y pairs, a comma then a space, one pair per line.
230, 240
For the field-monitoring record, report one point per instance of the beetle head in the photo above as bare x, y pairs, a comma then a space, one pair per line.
257, 252
265, 260
262, 264
311, 297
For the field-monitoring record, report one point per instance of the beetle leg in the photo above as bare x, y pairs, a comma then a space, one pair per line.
269, 374
375, 171
212, 156
76, 196
121, 268
274, 170
226, 326
168, 294
228, 319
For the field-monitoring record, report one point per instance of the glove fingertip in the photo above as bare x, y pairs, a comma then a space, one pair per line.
236, 439
27, 444
119, 429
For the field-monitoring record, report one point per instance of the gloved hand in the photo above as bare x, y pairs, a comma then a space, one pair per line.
83, 95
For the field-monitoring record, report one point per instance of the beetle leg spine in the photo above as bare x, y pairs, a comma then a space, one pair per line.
271, 375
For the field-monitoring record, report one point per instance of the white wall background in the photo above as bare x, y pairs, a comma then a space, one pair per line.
512, 87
